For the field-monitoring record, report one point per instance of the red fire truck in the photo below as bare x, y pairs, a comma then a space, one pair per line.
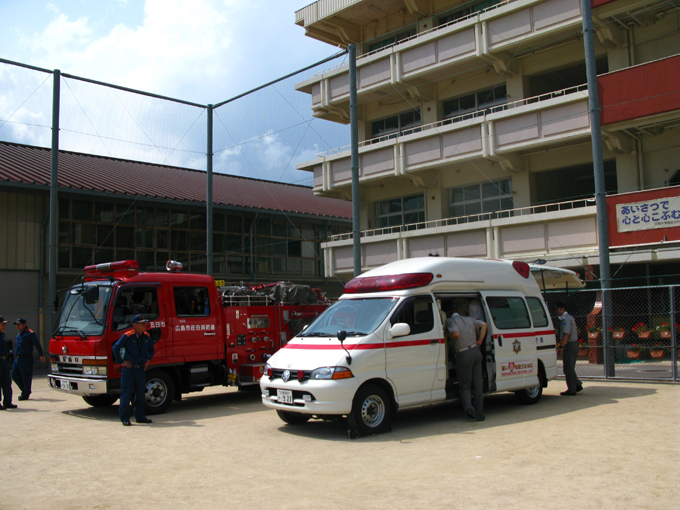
204, 335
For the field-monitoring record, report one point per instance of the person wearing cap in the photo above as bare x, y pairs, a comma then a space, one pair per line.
22, 369
464, 331
138, 351
5, 377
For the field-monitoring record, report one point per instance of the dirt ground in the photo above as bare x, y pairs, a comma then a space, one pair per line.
615, 445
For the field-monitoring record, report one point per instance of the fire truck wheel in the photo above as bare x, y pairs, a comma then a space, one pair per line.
529, 396
293, 418
100, 400
159, 392
371, 411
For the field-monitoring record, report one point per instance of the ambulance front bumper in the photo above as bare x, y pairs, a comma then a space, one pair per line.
318, 397
82, 386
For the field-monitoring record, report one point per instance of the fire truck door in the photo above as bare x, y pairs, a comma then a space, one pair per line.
142, 299
194, 323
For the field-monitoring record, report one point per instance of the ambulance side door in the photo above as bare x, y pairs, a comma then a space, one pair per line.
514, 340
194, 322
411, 360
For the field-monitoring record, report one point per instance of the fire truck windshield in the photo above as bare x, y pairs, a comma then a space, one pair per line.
358, 317
84, 311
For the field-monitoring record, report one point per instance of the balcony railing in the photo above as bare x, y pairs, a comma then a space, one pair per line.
462, 220
464, 116
419, 34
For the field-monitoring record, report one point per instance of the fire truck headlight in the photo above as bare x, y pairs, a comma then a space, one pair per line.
331, 373
95, 370
55, 367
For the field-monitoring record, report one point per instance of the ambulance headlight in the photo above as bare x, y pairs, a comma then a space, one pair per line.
268, 370
331, 373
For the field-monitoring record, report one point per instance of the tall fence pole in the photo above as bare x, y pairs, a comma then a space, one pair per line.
600, 189
674, 332
354, 142
54, 203
209, 194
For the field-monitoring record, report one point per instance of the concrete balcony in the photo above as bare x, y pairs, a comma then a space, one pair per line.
495, 133
566, 230
491, 36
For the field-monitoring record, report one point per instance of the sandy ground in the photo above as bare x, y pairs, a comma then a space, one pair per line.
615, 445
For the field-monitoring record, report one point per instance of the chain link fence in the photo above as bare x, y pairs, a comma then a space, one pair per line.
643, 341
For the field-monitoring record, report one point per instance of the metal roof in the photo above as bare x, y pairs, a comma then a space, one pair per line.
31, 165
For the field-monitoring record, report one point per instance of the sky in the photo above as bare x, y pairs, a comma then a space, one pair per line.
203, 51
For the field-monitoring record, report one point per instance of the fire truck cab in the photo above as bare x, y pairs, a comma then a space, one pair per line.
381, 346
203, 335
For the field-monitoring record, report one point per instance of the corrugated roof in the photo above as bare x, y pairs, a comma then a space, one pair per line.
31, 165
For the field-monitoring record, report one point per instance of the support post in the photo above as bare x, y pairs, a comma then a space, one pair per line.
209, 195
354, 144
600, 190
54, 204
675, 345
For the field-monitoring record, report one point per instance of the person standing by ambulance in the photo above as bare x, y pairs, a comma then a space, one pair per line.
138, 351
569, 335
5, 377
22, 369
468, 359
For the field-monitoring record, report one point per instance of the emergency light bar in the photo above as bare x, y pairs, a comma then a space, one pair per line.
109, 267
390, 282
522, 268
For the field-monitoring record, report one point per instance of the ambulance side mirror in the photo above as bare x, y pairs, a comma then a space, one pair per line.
400, 329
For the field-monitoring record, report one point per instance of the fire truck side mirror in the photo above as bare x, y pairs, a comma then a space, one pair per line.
92, 295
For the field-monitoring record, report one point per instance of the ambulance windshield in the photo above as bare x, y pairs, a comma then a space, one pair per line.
83, 314
358, 317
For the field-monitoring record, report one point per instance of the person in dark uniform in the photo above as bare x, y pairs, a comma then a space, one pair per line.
5, 377
468, 358
569, 336
138, 352
22, 369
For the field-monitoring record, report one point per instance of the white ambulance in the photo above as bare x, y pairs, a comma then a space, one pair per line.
381, 347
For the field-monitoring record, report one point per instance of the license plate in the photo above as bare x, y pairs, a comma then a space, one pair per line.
65, 385
284, 396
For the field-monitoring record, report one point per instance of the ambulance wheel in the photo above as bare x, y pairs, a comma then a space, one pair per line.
159, 392
371, 411
529, 396
293, 418
100, 400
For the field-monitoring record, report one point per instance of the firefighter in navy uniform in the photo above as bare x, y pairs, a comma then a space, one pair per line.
22, 369
5, 377
139, 350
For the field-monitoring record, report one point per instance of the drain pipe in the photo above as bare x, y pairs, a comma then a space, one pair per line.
250, 234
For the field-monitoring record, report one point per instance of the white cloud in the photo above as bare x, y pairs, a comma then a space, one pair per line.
178, 46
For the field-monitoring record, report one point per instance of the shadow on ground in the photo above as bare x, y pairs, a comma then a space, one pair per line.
185, 412
448, 417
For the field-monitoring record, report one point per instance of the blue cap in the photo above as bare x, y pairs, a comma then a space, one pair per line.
2, 320
138, 318
20, 320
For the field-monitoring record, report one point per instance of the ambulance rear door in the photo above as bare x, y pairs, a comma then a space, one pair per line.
514, 340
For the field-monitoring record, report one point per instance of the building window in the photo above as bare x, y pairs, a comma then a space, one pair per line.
477, 199
96, 232
391, 40
400, 211
404, 123
476, 103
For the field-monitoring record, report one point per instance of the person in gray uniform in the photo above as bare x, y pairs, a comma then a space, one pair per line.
569, 335
469, 335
